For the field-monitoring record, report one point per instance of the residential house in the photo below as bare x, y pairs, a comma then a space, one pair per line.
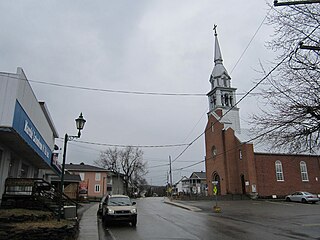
95, 181
198, 183
182, 186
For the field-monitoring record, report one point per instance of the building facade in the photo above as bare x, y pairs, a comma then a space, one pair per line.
237, 163
198, 183
95, 181
182, 186
27, 132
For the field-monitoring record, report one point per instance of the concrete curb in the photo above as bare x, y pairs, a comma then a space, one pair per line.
190, 208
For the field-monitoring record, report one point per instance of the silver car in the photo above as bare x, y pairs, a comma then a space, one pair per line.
103, 199
304, 197
119, 208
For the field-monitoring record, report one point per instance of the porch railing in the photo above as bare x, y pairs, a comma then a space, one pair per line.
34, 193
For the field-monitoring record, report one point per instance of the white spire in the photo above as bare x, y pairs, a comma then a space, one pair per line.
218, 69
217, 51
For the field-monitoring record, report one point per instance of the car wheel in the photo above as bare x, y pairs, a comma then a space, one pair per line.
288, 199
105, 222
134, 222
303, 200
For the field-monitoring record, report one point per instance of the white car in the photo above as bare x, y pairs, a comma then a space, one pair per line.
304, 197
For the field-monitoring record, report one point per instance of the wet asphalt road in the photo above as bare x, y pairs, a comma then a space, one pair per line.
238, 220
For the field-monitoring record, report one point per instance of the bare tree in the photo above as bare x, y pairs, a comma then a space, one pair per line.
291, 116
128, 161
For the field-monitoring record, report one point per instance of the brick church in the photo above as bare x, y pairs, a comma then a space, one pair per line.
236, 162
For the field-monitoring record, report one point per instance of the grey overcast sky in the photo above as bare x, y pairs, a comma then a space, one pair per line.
145, 46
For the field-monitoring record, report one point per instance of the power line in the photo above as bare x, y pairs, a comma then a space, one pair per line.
246, 94
237, 146
254, 87
162, 165
124, 146
108, 90
116, 91
251, 40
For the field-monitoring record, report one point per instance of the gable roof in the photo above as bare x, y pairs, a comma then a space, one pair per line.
198, 175
184, 178
84, 168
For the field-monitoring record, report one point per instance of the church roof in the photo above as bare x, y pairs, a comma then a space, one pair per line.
248, 136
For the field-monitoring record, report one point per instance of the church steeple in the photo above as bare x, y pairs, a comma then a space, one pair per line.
217, 51
219, 72
222, 95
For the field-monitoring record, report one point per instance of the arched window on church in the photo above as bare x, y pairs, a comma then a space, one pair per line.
279, 172
304, 171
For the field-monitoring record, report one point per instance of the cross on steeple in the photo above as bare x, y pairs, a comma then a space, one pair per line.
215, 29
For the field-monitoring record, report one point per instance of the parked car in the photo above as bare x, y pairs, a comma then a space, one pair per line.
304, 197
119, 208
103, 199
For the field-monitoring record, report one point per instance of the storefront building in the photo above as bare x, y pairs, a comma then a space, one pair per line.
27, 132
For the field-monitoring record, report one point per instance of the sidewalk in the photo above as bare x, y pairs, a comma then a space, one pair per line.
88, 226
177, 204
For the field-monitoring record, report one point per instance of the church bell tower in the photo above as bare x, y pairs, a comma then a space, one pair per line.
222, 96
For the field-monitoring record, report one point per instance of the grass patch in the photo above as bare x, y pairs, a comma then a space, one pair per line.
22, 212
42, 224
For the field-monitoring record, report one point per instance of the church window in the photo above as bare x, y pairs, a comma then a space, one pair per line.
212, 126
222, 99
240, 154
226, 99
213, 151
231, 101
304, 171
279, 171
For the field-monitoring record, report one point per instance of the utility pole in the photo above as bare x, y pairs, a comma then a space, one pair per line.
170, 172
288, 3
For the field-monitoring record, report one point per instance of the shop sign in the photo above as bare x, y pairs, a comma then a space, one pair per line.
27, 130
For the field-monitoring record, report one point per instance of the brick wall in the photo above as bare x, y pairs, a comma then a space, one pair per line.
268, 184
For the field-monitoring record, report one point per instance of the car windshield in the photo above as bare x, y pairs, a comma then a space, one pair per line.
119, 201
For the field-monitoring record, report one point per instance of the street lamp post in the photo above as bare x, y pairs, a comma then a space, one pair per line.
80, 121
